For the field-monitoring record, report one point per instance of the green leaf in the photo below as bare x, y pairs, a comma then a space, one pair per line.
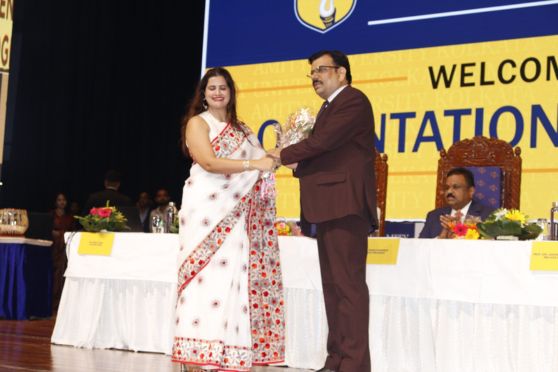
531, 231
492, 229
511, 228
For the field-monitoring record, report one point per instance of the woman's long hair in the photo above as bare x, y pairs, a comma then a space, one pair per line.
199, 104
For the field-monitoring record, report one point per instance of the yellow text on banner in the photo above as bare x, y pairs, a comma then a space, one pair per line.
544, 256
98, 244
382, 251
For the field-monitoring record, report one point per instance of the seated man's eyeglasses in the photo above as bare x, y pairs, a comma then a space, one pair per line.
321, 70
455, 187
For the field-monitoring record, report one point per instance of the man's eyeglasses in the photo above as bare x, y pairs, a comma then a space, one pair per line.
321, 70
455, 187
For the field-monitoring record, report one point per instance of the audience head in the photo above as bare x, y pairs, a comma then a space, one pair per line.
215, 90
112, 180
74, 208
460, 187
144, 201
329, 70
162, 198
61, 202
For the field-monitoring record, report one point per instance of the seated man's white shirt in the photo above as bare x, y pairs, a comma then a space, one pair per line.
463, 211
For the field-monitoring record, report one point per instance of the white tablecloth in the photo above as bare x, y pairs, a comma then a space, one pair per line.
24, 240
123, 301
447, 306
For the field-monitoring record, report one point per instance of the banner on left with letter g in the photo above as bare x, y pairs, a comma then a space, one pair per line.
6, 25
6, 22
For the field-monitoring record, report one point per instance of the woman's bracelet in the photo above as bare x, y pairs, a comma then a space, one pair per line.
246, 165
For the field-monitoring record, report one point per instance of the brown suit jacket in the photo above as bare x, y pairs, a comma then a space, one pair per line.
336, 162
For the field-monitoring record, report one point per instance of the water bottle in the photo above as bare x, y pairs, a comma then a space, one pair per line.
157, 224
170, 215
542, 222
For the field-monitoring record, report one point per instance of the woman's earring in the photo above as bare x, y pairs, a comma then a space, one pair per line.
204, 104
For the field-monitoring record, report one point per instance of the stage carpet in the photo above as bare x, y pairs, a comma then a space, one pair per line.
25, 346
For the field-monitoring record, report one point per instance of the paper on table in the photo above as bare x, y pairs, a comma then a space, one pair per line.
99, 244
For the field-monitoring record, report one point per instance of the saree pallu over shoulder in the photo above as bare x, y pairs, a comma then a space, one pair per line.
228, 141
227, 236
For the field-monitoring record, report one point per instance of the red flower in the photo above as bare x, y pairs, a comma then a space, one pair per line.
104, 212
93, 211
460, 229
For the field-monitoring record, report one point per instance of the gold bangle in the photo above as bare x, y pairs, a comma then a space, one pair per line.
246, 165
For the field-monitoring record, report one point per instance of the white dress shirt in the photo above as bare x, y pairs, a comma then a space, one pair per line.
334, 94
463, 210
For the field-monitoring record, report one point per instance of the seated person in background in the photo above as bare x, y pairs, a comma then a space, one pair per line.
144, 205
110, 194
459, 190
162, 200
62, 221
74, 208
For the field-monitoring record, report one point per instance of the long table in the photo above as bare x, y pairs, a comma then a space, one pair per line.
446, 306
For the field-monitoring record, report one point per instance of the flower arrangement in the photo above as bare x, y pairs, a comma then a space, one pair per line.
299, 125
508, 222
287, 228
103, 219
465, 230
283, 228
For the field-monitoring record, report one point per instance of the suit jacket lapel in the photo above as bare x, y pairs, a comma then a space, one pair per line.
330, 107
474, 209
446, 210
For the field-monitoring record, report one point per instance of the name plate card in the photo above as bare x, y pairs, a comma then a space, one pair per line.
544, 256
382, 251
97, 244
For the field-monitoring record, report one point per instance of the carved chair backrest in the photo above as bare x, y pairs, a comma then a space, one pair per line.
483, 152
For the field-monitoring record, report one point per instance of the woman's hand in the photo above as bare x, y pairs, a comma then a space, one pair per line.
265, 164
275, 153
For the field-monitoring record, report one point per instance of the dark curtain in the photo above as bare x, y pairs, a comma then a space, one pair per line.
99, 85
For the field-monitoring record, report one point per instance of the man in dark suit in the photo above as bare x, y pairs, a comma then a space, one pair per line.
110, 194
335, 165
459, 191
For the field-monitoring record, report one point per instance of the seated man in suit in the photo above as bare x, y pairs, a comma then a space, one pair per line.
110, 194
459, 190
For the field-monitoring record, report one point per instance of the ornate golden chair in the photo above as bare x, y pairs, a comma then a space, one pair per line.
381, 168
477, 154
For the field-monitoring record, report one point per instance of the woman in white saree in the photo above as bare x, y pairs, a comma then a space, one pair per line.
229, 313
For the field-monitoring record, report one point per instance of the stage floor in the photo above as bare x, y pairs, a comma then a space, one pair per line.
25, 346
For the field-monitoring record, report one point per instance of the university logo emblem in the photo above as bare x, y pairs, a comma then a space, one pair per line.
323, 15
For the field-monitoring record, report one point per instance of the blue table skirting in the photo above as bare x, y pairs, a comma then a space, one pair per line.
25, 281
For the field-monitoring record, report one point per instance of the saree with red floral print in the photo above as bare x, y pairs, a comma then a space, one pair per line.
230, 310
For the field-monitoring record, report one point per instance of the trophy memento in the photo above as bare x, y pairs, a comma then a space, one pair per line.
13, 221
327, 15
